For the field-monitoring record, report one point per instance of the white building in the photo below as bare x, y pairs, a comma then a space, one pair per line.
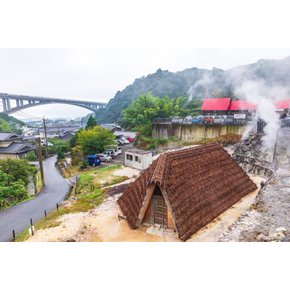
138, 159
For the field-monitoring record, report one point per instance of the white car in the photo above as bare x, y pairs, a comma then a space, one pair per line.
105, 158
125, 140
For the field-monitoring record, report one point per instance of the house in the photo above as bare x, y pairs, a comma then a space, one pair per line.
66, 135
184, 190
112, 127
138, 159
12, 148
56, 131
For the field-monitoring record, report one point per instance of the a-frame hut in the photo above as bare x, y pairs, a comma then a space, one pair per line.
185, 190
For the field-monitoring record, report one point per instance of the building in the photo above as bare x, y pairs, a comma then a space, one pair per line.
112, 127
12, 148
138, 159
56, 131
216, 104
186, 189
66, 135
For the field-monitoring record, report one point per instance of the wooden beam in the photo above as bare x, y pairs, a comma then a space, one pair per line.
146, 201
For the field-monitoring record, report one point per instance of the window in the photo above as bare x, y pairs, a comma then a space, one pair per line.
129, 157
137, 159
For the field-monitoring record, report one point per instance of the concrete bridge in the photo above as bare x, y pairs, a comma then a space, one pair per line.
13, 103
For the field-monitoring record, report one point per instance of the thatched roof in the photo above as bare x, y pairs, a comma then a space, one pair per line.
198, 183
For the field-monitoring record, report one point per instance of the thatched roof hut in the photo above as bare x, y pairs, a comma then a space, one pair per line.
185, 190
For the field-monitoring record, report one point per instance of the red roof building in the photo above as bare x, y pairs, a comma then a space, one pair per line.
216, 104
238, 105
285, 104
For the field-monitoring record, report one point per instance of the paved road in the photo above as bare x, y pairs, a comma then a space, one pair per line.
18, 216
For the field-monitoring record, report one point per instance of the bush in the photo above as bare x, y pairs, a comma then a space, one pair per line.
31, 156
83, 165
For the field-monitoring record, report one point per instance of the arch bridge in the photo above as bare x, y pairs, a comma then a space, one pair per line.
21, 102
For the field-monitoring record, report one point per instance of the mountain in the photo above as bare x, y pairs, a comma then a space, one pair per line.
197, 83
10, 124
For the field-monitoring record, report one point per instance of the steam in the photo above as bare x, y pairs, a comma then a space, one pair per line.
263, 96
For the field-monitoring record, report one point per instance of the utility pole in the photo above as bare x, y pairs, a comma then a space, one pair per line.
39, 149
45, 135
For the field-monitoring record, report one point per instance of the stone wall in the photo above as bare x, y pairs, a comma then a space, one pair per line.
190, 132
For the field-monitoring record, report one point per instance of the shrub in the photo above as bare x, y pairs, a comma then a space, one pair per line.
31, 156
83, 165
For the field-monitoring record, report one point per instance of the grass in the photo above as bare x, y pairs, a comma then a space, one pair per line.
82, 204
89, 194
98, 178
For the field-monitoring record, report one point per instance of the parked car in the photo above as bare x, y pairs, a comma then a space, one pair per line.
208, 119
197, 120
116, 151
285, 122
105, 158
130, 139
125, 140
187, 120
94, 160
121, 142
218, 119
110, 152
229, 119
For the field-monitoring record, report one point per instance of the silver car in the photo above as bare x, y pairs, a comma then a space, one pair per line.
105, 158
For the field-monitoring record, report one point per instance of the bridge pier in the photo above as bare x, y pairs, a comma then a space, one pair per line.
6, 104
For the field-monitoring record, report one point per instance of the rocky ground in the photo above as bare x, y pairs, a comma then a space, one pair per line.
268, 218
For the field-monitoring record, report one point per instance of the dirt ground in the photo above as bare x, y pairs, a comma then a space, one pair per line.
102, 225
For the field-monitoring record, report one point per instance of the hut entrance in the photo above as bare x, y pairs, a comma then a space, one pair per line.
159, 210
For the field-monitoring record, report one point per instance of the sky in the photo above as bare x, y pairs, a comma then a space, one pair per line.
97, 74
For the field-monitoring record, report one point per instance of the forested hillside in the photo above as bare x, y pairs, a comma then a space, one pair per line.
196, 83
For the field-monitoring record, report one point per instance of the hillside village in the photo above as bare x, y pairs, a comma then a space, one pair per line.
163, 167
217, 184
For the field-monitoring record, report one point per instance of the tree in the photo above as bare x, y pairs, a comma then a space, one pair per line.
139, 116
17, 170
91, 122
95, 140
4, 126
14, 177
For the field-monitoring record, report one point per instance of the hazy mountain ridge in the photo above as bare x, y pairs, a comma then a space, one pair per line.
198, 83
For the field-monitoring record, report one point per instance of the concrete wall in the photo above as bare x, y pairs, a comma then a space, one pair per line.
189, 132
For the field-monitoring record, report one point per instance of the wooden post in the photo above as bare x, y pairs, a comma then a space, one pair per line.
45, 135
31, 223
40, 160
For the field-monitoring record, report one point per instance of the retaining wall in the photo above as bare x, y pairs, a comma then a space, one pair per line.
190, 132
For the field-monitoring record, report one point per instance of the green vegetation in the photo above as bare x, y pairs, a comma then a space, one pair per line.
4, 126
94, 180
60, 147
31, 156
89, 194
161, 83
95, 140
200, 83
91, 122
14, 178
10, 124
139, 116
